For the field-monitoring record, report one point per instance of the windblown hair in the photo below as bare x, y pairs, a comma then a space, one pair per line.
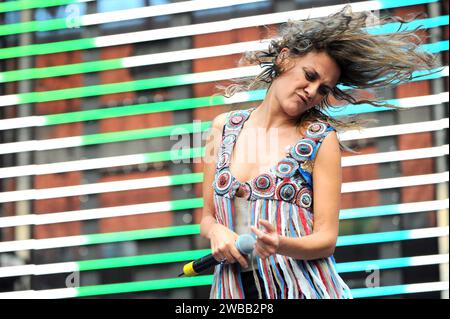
366, 60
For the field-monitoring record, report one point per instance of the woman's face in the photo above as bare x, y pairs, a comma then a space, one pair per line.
307, 80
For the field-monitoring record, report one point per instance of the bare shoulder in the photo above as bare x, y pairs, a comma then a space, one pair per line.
330, 149
219, 121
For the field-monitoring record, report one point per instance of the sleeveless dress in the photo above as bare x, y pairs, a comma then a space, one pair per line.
283, 196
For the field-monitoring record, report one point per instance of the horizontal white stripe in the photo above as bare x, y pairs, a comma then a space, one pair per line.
153, 182
43, 243
429, 286
20, 122
426, 232
45, 269
417, 101
71, 292
423, 206
41, 294
86, 164
192, 54
158, 10
57, 242
226, 25
55, 268
394, 182
94, 188
410, 102
65, 142
395, 156
86, 214
12, 99
34, 145
155, 207
397, 129
428, 260
114, 161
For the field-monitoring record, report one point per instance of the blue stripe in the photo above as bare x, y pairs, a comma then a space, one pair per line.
386, 4
291, 223
378, 263
371, 211
308, 278
373, 238
379, 291
230, 217
272, 262
422, 23
436, 47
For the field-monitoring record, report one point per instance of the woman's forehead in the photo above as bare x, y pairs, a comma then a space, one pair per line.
321, 63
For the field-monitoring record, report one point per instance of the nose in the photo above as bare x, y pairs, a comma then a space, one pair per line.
311, 91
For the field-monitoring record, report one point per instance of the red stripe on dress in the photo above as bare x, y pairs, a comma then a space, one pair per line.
222, 292
279, 218
238, 286
294, 277
322, 276
271, 294
224, 212
303, 220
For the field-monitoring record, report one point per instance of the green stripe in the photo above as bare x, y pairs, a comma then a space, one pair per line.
33, 26
46, 48
60, 70
32, 4
58, 24
96, 66
144, 233
160, 284
183, 179
121, 136
144, 260
69, 45
173, 155
102, 89
147, 108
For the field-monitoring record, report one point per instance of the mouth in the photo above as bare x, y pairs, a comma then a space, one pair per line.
303, 99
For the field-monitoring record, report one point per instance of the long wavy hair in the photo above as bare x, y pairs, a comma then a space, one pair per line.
366, 60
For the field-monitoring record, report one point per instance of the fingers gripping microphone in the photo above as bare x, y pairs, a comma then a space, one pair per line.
244, 244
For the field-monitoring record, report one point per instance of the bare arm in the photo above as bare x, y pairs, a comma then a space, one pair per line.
327, 179
209, 166
222, 238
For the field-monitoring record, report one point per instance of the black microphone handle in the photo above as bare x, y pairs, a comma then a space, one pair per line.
204, 263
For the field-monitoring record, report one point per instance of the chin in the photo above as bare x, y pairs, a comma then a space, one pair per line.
294, 110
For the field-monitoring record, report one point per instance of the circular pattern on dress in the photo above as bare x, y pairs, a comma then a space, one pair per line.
223, 182
224, 160
247, 189
303, 150
264, 185
286, 191
304, 198
316, 129
229, 139
286, 167
233, 188
236, 119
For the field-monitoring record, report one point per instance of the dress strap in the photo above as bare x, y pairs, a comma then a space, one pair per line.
317, 132
234, 122
305, 150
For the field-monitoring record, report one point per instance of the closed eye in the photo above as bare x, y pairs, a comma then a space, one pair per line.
323, 90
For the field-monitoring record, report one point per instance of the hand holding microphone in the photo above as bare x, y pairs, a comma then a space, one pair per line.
243, 245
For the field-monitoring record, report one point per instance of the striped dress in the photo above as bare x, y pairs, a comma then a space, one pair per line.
283, 196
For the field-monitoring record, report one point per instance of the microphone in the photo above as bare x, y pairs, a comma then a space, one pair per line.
244, 244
